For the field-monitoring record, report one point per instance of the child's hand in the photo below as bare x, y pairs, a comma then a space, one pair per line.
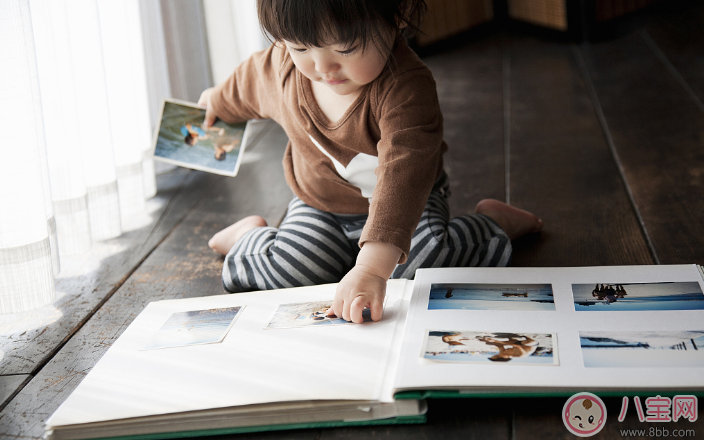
365, 285
204, 101
357, 290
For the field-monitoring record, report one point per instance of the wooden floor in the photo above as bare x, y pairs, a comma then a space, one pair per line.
604, 141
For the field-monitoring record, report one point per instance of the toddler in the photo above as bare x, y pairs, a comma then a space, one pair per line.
364, 158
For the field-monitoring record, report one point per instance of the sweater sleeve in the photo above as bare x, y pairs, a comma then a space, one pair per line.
410, 154
253, 90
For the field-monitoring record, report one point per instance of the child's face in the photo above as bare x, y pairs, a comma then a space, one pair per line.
345, 70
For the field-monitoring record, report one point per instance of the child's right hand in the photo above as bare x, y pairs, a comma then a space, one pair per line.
204, 101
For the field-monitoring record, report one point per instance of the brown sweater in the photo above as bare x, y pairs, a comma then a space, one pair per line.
381, 158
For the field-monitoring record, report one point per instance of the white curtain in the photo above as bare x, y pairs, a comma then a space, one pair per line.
26, 215
75, 108
81, 86
233, 34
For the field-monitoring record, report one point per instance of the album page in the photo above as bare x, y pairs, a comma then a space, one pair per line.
235, 350
544, 329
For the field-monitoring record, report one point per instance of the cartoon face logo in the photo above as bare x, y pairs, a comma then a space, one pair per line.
584, 414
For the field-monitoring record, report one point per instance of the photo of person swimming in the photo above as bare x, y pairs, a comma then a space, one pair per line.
182, 140
490, 347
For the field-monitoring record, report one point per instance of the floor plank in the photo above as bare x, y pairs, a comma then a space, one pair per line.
679, 35
182, 266
10, 384
561, 168
657, 130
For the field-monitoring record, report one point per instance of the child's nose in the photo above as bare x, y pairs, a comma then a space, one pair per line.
324, 64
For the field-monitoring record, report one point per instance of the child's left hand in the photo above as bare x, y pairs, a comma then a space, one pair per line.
365, 285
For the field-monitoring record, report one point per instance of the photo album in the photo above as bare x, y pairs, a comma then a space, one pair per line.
182, 140
272, 360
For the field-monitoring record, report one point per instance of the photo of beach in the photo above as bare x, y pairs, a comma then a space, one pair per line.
638, 296
467, 296
307, 314
194, 327
182, 140
652, 349
490, 347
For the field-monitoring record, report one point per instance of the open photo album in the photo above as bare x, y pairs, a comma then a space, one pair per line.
182, 139
273, 360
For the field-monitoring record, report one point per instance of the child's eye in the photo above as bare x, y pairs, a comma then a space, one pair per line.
299, 49
349, 51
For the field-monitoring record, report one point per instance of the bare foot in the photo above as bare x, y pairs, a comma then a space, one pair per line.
515, 222
223, 241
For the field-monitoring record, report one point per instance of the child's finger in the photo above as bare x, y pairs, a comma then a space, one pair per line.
346, 310
336, 304
377, 307
203, 100
356, 309
209, 118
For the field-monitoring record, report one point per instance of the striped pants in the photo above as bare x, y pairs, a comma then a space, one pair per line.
317, 247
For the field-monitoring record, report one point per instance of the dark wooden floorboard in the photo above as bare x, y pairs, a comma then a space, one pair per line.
9, 385
469, 82
658, 132
561, 167
182, 266
679, 35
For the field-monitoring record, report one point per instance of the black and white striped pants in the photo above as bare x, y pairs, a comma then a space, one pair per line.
317, 247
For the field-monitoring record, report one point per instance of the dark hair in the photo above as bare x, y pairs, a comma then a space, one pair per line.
318, 23
189, 139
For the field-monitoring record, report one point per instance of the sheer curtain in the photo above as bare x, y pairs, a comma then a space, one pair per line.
81, 86
75, 112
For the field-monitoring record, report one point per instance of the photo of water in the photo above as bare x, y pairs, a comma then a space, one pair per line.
642, 348
638, 296
216, 149
466, 296
194, 327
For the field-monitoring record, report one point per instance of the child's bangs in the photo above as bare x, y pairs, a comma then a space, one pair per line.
317, 23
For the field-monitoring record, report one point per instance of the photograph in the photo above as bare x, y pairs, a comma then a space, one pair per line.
194, 327
490, 347
308, 313
624, 297
182, 140
466, 296
643, 348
